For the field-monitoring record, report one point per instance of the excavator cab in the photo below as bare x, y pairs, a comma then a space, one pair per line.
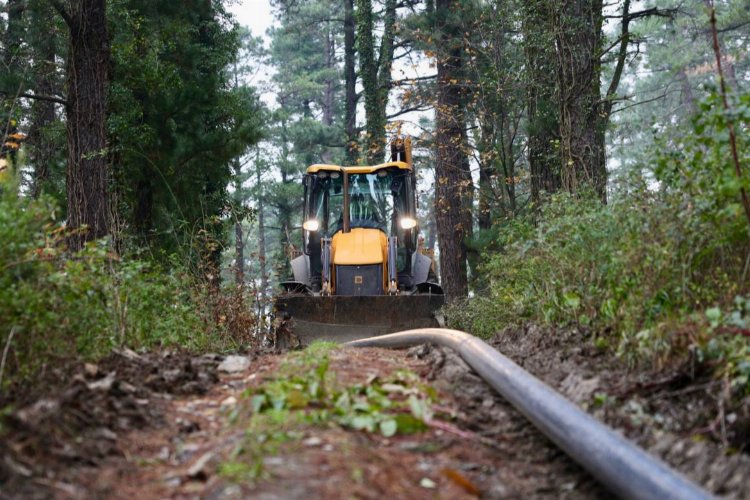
355, 216
361, 273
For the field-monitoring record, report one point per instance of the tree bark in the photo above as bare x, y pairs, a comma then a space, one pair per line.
375, 73
239, 239
41, 148
13, 36
578, 35
261, 233
453, 192
87, 73
543, 122
350, 79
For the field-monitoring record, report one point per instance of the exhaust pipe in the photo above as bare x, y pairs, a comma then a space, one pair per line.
621, 466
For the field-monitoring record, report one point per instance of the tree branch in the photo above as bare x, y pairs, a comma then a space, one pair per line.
624, 39
60, 8
410, 81
37, 97
408, 110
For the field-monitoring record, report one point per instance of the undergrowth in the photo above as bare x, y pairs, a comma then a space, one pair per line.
305, 394
661, 271
57, 307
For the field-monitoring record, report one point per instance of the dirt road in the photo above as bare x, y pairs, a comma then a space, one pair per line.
341, 423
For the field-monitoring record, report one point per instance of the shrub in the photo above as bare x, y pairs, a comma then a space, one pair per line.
56, 306
641, 271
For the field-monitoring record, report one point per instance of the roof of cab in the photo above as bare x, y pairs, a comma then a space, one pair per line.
312, 169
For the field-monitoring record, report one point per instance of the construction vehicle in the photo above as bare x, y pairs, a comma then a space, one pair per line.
9, 146
361, 273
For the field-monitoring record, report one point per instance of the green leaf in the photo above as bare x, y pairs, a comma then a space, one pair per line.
388, 427
714, 316
408, 424
257, 402
296, 399
572, 300
362, 422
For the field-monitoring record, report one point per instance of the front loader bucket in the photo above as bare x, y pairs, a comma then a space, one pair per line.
345, 318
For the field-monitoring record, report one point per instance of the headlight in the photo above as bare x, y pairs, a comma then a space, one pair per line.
311, 225
408, 223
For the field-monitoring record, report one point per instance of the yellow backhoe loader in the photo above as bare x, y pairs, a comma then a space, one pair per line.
361, 273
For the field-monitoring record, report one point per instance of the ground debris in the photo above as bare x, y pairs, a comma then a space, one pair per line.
82, 422
234, 364
200, 469
166, 425
672, 412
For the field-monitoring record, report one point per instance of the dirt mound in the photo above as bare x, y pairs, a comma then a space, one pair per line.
678, 413
81, 421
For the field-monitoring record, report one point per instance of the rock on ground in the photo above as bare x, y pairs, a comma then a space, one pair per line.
234, 364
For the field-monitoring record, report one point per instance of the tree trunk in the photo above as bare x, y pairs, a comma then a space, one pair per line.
543, 122
143, 211
239, 257
368, 71
12, 40
486, 171
261, 233
507, 133
13, 36
578, 30
330, 53
350, 77
375, 73
328, 93
453, 183
87, 73
239, 239
41, 148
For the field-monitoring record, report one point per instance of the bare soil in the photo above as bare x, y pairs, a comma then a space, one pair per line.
161, 426
679, 412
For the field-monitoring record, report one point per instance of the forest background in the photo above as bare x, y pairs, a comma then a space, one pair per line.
579, 162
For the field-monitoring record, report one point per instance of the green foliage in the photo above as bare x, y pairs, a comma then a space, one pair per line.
640, 270
55, 306
726, 342
676, 74
175, 121
306, 393
367, 406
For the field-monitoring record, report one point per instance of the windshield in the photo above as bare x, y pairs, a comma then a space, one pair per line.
327, 201
375, 200
371, 200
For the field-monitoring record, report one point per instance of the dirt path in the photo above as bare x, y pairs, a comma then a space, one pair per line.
172, 426
475, 446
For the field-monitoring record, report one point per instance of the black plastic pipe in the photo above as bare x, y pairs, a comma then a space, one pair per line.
621, 466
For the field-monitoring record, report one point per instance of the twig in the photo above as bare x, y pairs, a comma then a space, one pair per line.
452, 429
5, 354
730, 123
